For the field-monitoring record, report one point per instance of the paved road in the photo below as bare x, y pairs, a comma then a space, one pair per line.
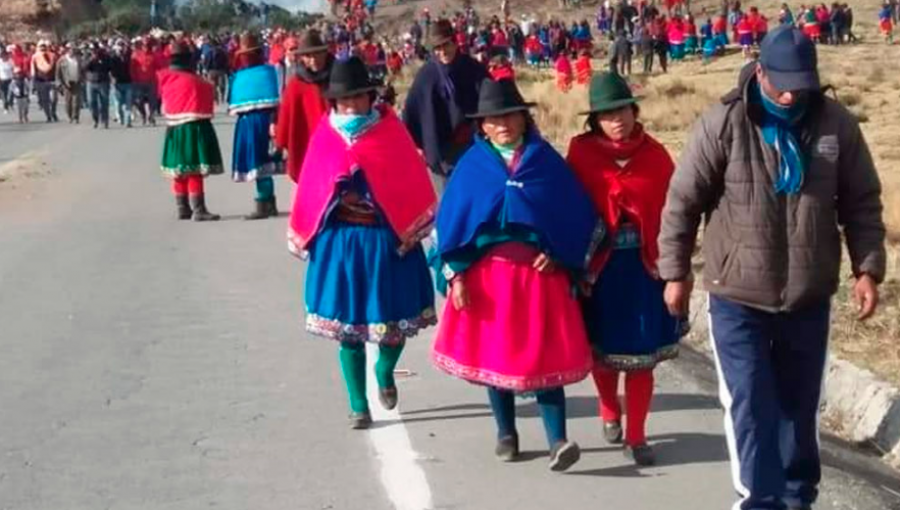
152, 364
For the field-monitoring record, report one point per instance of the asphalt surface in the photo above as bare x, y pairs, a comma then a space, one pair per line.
147, 363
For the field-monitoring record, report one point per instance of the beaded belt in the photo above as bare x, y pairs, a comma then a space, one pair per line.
356, 217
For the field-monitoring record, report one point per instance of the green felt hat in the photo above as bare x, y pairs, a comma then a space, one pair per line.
609, 92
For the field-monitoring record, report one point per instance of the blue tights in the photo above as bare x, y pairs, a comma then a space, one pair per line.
552, 405
265, 189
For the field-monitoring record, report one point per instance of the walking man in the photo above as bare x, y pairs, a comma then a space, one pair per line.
97, 73
70, 75
779, 173
443, 93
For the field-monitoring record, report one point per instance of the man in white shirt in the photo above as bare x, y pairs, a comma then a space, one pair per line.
6, 77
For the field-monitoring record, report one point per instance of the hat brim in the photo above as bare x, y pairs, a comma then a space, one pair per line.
248, 50
611, 106
434, 43
348, 93
502, 111
310, 50
789, 81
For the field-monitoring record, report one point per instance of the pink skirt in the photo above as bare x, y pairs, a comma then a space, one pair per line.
522, 331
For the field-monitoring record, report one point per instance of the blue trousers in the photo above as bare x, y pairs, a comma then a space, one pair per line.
98, 94
771, 367
552, 404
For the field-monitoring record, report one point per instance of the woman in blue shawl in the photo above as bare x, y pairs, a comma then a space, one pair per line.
515, 230
253, 97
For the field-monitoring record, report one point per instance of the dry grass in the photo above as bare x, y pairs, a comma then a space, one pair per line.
865, 79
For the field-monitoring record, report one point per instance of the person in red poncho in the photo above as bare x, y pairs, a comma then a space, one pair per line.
500, 68
583, 69
564, 72
191, 149
627, 174
303, 104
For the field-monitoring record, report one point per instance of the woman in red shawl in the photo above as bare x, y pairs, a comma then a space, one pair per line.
627, 174
583, 70
564, 75
303, 103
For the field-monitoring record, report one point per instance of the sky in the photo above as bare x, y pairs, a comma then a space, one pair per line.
306, 5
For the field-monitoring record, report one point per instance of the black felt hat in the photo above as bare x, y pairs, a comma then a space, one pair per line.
349, 78
498, 98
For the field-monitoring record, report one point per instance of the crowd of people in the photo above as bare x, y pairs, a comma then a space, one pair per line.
539, 296
115, 78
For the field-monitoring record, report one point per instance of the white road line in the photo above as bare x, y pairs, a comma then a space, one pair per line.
402, 476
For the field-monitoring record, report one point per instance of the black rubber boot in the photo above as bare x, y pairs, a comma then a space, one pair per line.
261, 212
198, 204
184, 207
271, 208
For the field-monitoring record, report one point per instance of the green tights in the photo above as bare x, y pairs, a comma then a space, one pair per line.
353, 368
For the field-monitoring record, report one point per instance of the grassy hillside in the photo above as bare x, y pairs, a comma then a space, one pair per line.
866, 80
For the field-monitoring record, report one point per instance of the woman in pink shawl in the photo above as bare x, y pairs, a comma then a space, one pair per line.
364, 200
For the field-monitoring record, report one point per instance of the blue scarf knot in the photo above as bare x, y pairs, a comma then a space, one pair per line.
779, 128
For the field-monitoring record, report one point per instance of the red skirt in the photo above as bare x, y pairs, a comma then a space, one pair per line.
522, 330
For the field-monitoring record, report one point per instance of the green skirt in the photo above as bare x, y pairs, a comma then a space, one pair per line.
192, 149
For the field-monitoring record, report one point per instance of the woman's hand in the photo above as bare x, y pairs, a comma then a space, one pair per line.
459, 293
543, 263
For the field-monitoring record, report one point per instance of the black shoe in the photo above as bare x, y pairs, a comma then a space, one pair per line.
507, 449
563, 455
360, 421
804, 507
198, 205
260, 213
612, 432
184, 208
271, 208
388, 397
642, 454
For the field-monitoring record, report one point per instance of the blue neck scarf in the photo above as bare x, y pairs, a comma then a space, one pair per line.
351, 126
779, 129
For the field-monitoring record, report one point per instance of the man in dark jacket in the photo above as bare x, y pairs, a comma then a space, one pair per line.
444, 91
120, 68
777, 172
97, 72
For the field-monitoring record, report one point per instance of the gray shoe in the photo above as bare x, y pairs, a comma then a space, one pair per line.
360, 421
563, 455
641, 454
388, 397
272, 208
612, 432
507, 449
260, 213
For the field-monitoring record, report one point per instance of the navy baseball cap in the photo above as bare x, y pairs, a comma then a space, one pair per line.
789, 59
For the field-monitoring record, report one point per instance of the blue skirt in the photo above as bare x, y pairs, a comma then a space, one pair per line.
359, 289
627, 321
253, 157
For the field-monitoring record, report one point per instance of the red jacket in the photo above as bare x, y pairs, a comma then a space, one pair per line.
301, 109
143, 67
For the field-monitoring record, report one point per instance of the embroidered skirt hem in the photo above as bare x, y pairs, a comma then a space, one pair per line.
518, 384
632, 362
388, 333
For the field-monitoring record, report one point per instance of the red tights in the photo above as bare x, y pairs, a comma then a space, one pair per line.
188, 184
638, 393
